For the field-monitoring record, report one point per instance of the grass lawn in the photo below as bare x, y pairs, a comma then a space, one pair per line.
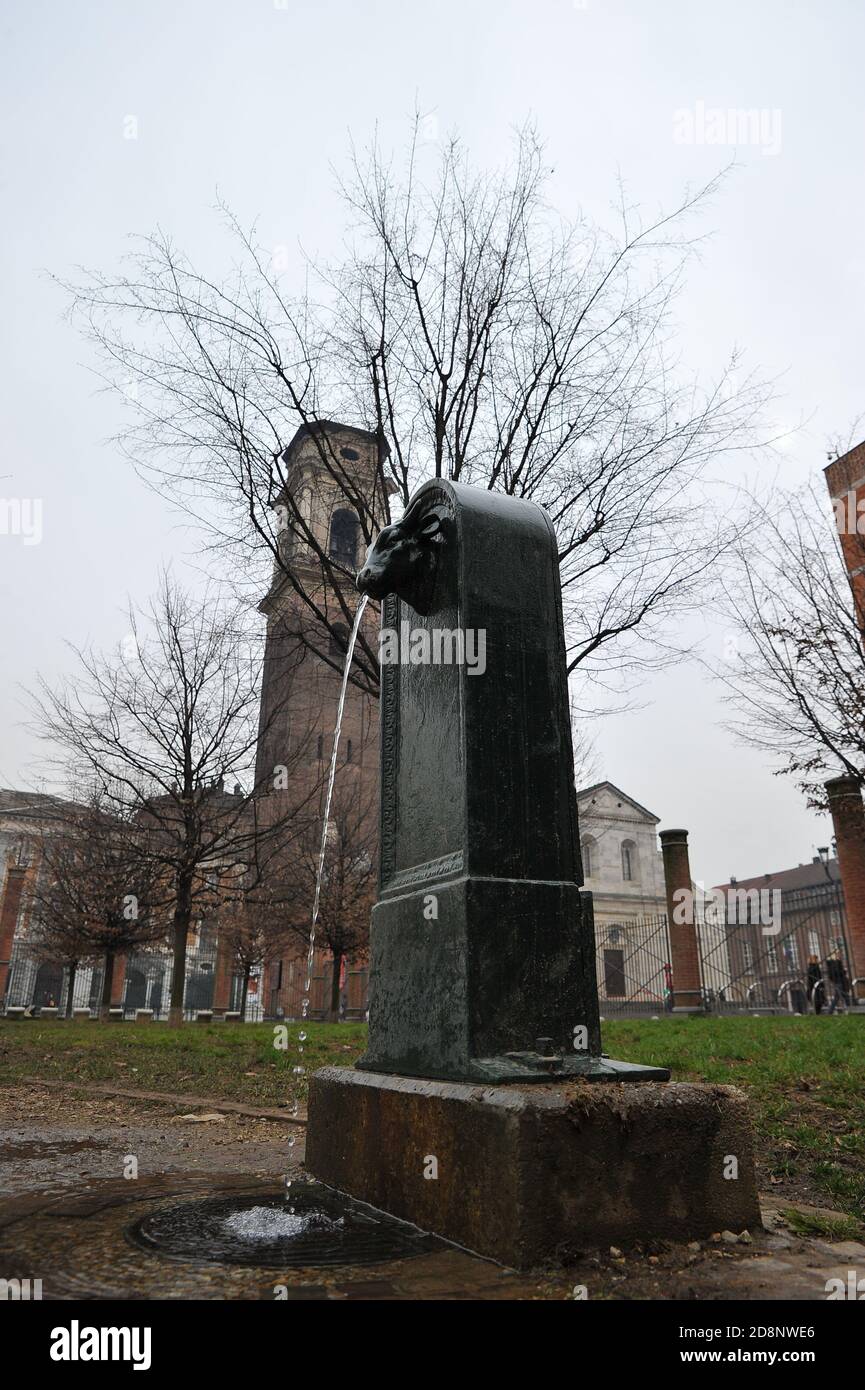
805, 1078
233, 1061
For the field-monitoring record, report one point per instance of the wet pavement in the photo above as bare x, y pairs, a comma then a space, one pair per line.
66, 1213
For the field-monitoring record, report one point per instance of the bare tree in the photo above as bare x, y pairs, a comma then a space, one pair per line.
478, 337
252, 921
794, 662
158, 731
349, 881
96, 895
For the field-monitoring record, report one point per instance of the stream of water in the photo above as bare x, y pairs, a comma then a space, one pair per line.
316, 902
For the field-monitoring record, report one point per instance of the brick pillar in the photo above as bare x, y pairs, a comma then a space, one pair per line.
684, 951
848, 819
845, 479
9, 910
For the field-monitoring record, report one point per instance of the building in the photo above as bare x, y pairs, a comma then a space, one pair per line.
23, 818
775, 923
333, 484
311, 601
622, 863
623, 867
845, 479
140, 980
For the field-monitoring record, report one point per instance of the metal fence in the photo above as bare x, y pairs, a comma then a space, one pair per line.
784, 955
633, 963
796, 961
793, 958
286, 992
147, 985
147, 982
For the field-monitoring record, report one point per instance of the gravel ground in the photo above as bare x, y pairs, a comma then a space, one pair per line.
51, 1137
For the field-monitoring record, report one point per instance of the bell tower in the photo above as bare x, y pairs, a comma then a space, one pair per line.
332, 500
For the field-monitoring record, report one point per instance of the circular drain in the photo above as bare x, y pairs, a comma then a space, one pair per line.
315, 1228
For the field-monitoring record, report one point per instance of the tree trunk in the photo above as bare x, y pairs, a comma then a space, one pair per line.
70, 991
107, 982
333, 1016
243, 993
182, 919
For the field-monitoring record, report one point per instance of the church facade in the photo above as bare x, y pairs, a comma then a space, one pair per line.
622, 863
623, 867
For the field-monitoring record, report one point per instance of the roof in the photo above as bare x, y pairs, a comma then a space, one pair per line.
813, 875
623, 796
323, 426
28, 803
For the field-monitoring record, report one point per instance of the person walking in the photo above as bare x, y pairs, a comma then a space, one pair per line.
838, 982
815, 989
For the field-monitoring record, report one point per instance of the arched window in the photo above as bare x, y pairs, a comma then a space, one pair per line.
344, 535
587, 847
630, 866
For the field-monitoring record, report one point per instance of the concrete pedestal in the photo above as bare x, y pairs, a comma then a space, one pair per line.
530, 1173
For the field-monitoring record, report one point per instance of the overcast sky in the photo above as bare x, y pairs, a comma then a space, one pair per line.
258, 100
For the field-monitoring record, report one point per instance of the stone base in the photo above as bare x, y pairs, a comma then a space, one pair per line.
530, 1173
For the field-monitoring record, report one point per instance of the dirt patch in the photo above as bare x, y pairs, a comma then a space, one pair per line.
46, 1139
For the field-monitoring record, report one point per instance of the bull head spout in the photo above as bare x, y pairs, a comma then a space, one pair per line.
403, 559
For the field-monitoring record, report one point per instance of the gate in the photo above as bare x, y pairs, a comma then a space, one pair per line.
633, 964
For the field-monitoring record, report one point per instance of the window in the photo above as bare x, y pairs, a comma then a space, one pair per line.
348, 751
320, 747
587, 846
344, 533
813, 943
350, 454
629, 860
748, 955
772, 957
791, 953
